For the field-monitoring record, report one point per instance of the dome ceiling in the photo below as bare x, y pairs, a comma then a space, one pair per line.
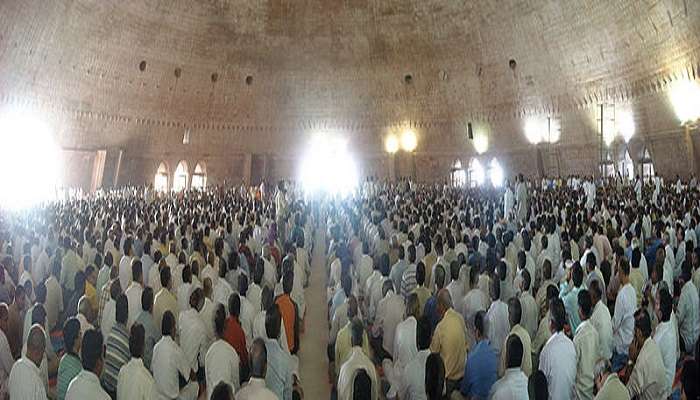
281, 62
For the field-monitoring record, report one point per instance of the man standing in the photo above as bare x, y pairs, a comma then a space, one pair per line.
623, 317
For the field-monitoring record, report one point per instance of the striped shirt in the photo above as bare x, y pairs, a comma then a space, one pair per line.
68, 368
116, 355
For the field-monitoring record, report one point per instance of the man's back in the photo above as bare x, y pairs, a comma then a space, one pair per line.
279, 370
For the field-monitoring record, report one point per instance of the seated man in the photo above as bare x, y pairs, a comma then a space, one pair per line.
481, 369
513, 385
357, 361
86, 385
172, 373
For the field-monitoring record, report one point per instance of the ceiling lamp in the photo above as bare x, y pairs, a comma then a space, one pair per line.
391, 144
409, 140
481, 143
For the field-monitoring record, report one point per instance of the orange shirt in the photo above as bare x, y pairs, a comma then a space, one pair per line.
234, 335
288, 311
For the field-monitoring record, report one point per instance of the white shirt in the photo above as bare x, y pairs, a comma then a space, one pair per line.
586, 344
6, 362
412, 385
109, 317
405, 347
255, 297
183, 296
221, 365
558, 362
513, 386
497, 324
25, 382
623, 320
86, 385
603, 324
125, 273
255, 390
687, 313
530, 313
357, 360
222, 291
193, 337
168, 360
665, 338
135, 382
133, 297
260, 332
390, 311
207, 316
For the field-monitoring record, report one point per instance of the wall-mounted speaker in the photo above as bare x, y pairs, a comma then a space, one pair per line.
470, 132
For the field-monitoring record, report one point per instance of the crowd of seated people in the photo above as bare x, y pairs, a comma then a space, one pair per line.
132, 295
573, 288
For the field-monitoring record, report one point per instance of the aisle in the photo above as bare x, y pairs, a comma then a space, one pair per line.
313, 363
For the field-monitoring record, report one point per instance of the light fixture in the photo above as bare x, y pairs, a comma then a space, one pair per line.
685, 98
391, 144
29, 160
408, 140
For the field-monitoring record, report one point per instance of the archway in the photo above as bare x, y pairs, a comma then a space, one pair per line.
161, 180
181, 176
458, 175
476, 173
199, 177
626, 166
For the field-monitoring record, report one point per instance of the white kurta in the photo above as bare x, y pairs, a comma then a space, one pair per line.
558, 362
135, 382
25, 382
221, 365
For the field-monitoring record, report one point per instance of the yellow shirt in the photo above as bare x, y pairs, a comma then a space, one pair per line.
423, 295
450, 340
91, 295
343, 347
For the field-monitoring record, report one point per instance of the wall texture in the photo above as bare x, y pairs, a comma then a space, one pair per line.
251, 81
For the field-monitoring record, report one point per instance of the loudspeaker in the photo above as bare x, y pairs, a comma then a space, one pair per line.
470, 133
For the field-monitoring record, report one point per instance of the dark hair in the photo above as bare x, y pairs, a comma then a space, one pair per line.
515, 311
122, 312
258, 358
165, 277
222, 391
594, 289
167, 326
40, 292
219, 320
434, 376
439, 276
584, 303
137, 340
91, 349
71, 333
234, 305
558, 314
479, 320
357, 332
147, 299
423, 333
577, 274
514, 351
527, 279
273, 320
287, 282
136, 270
538, 381
361, 386
665, 304
420, 273
689, 380
642, 322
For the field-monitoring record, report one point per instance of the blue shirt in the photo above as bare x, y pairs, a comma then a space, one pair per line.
480, 371
338, 299
650, 253
569, 296
279, 370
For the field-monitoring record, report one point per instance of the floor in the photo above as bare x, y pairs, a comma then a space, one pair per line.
313, 362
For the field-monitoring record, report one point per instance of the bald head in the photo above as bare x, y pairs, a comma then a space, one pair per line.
444, 300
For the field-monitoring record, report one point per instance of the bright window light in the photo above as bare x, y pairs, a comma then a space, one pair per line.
391, 144
181, 175
161, 181
496, 173
625, 125
29, 160
409, 140
535, 128
685, 98
477, 175
328, 167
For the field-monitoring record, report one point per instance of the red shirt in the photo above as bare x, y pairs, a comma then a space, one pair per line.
288, 312
234, 335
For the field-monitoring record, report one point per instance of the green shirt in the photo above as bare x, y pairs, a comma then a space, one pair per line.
68, 368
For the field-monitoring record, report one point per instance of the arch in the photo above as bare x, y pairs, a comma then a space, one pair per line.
625, 165
160, 183
199, 176
476, 173
647, 164
181, 176
458, 176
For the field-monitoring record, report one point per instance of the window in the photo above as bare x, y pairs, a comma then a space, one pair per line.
625, 166
476, 173
181, 175
496, 173
199, 177
647, 165
161, 181
458, 175
607, 166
